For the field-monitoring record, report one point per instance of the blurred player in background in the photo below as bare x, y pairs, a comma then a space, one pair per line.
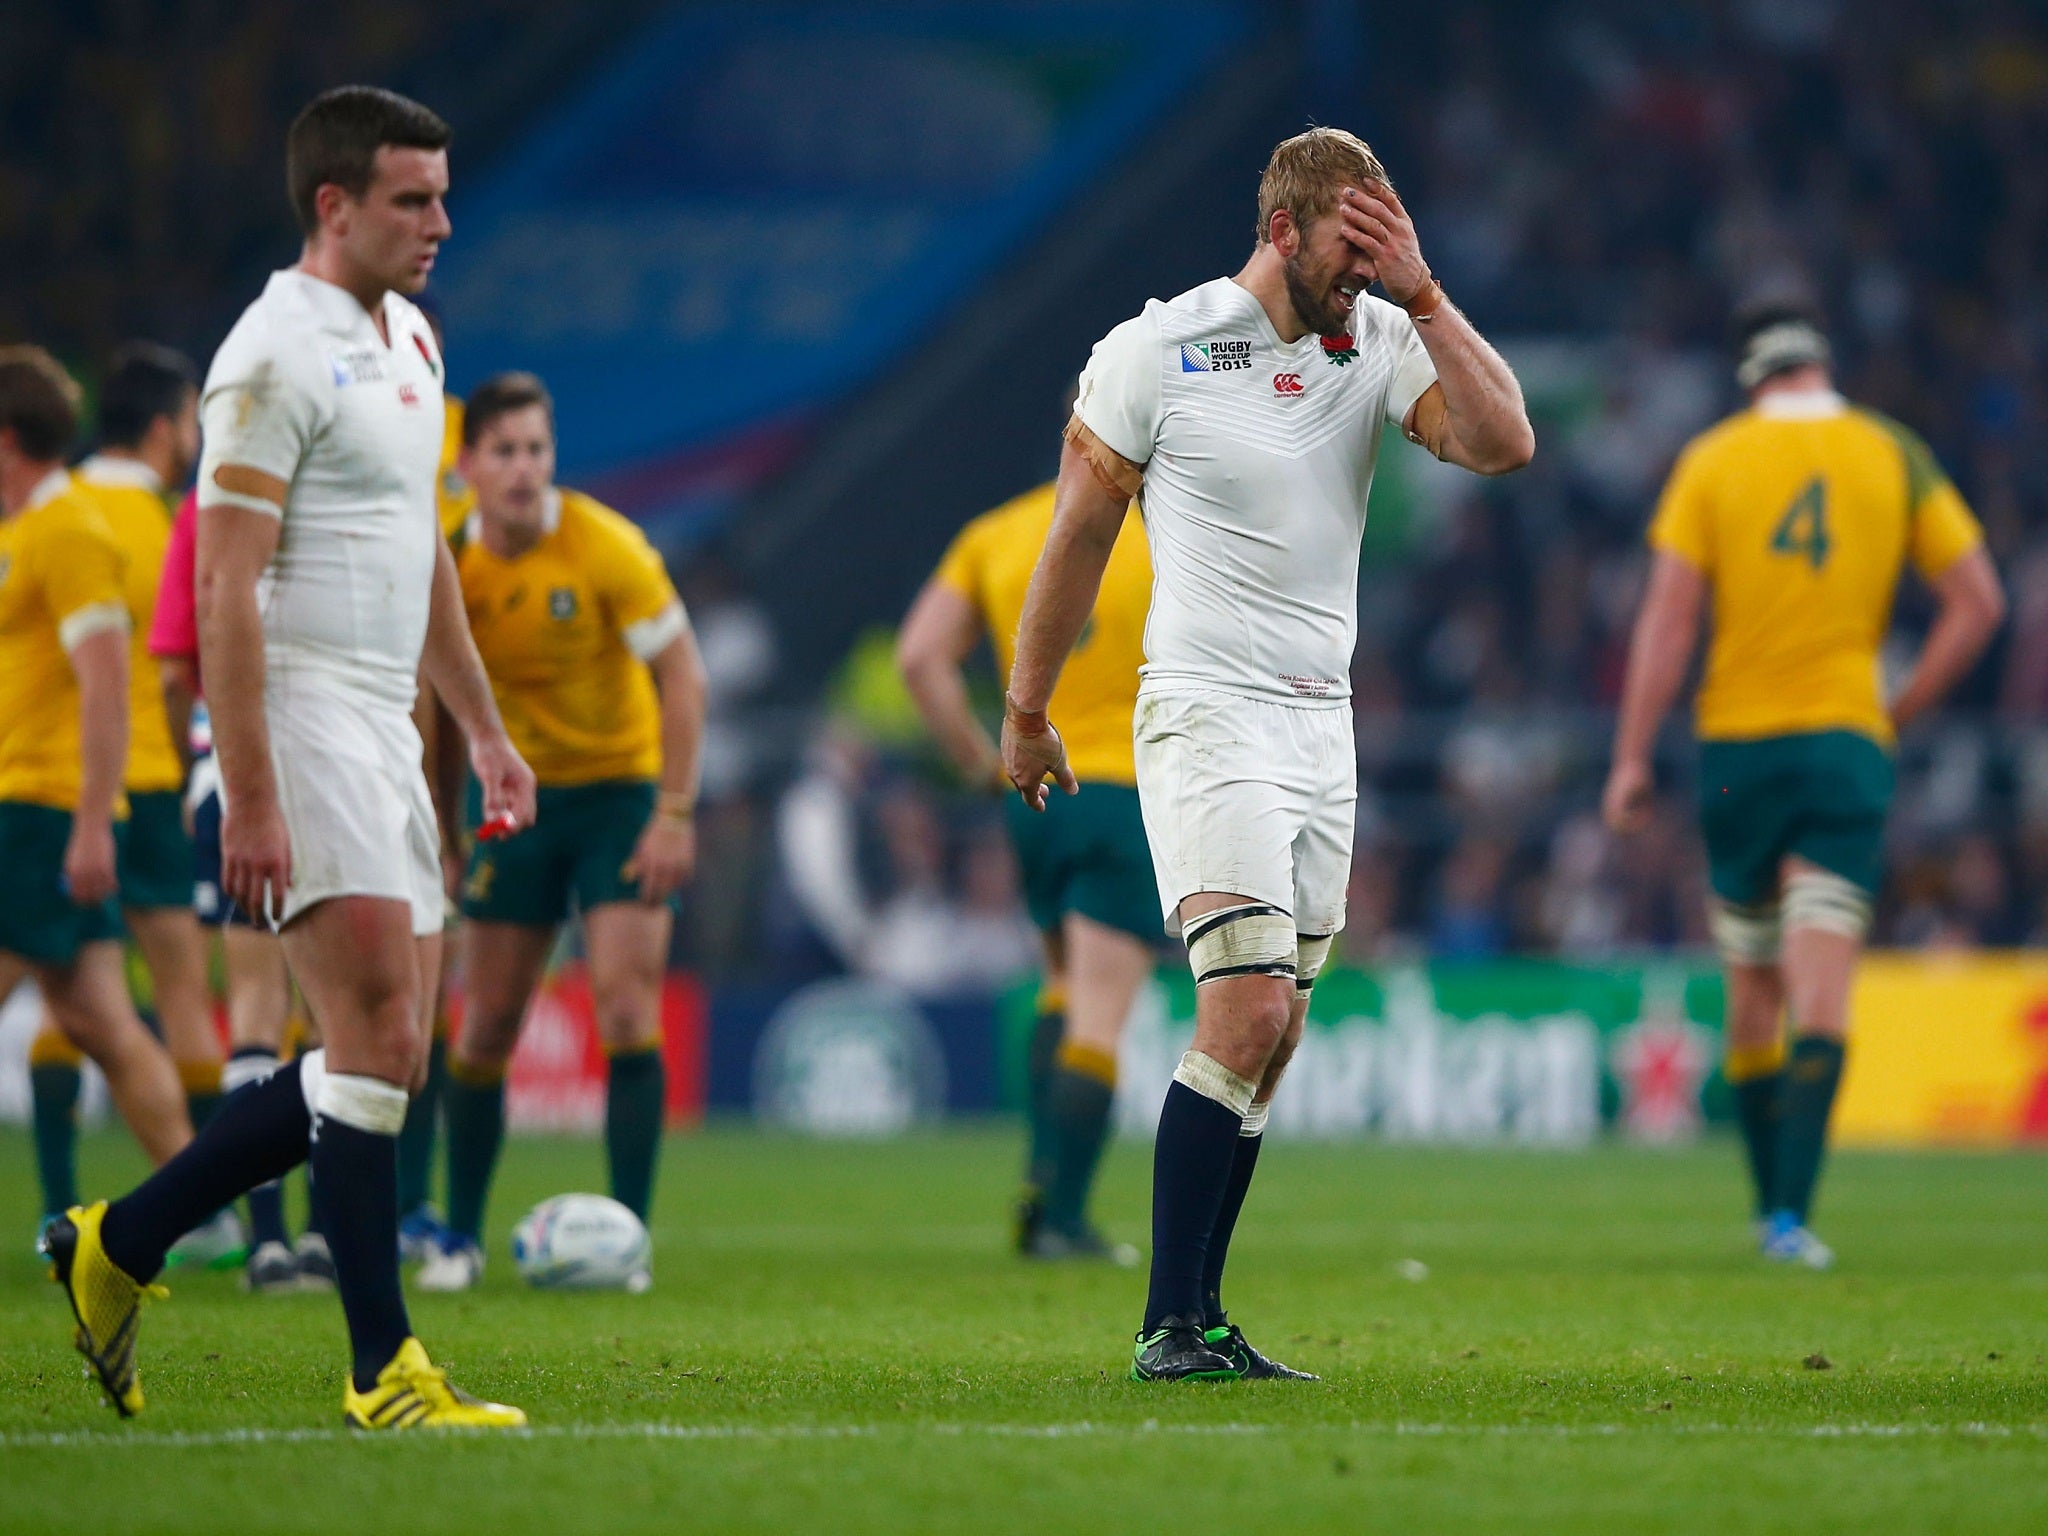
597, 675
259, 988
64, 627
149, 440
324, 586
1250, 410
1787, 527
1086, 870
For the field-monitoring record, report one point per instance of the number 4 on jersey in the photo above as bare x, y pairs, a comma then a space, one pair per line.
1803, 530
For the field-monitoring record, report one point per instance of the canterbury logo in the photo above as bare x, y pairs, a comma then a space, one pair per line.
1287, 384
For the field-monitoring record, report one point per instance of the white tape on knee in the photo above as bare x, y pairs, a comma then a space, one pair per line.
1213, 1080
244, 1068
1815, 898
1311, 953
1746, 935
367, 1103
1255, 1119
1252, 939
312, 1073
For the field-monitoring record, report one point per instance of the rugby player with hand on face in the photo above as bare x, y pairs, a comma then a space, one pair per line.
324, 589
1246, 416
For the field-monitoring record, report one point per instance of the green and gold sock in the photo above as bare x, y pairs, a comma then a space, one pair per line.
201, 1082
635, 1087
1807, 1098
1078, 1101
1757, 1077
53, 1089
475, 1099
416, 1139
1041, 1156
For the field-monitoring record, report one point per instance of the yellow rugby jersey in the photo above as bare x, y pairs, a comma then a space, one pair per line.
990, 564
552, 626
129, 498
453, 499
60, 581
1802, 512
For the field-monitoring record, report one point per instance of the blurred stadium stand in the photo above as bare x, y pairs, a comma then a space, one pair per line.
805, 344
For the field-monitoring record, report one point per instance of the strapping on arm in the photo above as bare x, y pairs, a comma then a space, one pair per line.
1113, 472
1429, 423
237, 485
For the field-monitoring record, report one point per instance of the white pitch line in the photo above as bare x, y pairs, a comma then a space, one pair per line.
111, 1440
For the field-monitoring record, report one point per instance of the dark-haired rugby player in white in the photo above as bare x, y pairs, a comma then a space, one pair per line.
324, 590
1249, 412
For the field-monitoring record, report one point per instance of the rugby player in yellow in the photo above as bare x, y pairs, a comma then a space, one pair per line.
1086, 866
63, 747
149, 438
1788, 526
597, 675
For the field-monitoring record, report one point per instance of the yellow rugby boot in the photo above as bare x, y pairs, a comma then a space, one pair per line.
413, 1393
106, 1300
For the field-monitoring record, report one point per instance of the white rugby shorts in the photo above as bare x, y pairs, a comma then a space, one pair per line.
1249, 797
355, 802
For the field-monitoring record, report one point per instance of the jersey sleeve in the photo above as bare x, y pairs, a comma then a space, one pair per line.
262, 407
639, 598
1682, 525
174, 629
1943, 527
1119, 392
79, 566
1944, 530
1413, 369
960, 568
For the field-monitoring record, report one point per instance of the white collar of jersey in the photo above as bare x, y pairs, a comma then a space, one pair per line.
1800, 404
335, 307
48, 489
550, 517
105, 469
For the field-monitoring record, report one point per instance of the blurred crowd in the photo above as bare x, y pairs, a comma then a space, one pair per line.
1598, 182
142, 141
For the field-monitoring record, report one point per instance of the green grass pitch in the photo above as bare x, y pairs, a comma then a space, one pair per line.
837, 1342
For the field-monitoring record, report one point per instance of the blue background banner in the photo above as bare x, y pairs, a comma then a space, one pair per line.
696, 278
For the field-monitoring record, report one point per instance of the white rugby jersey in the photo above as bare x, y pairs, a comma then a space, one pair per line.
1258, 458
305, 389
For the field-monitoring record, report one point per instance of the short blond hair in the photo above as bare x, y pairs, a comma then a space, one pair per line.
1307, 172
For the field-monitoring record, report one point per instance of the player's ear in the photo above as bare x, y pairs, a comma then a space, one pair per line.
331, 203
1284, 232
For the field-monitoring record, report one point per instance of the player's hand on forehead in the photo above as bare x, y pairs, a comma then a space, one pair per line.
1372, 220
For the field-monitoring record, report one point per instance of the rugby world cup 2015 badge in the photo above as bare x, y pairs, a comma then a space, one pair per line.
562, 603
1226, 356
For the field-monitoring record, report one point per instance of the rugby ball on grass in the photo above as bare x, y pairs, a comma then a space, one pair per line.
583, 1243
